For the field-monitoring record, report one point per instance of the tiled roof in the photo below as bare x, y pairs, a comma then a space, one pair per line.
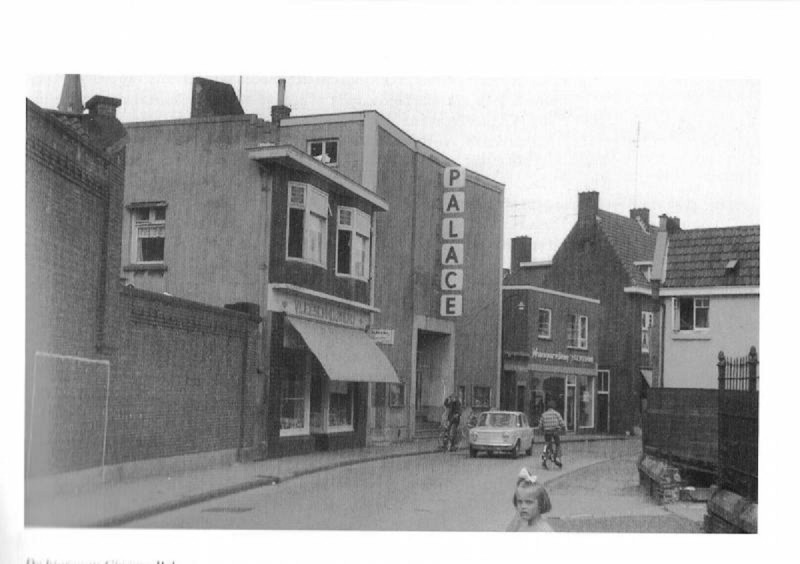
698, 257
630, 241
527, 276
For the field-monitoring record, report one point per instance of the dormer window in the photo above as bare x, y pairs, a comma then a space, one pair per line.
646, 268
325, 151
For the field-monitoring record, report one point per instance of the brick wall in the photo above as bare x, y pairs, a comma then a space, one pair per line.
182, 381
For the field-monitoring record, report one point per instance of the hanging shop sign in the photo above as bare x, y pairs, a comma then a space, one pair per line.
452, 280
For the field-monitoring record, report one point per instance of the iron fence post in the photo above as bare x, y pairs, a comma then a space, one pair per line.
752, 364
721, 370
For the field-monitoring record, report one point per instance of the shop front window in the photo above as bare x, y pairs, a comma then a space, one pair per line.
340, 406
586, 405
481, 397
294, 402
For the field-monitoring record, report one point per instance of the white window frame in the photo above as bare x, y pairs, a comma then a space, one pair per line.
150, 223
360, 229
315, 204
582, 332
324, 153
606, 392
647, 324
592, 387
698, 302
539, 333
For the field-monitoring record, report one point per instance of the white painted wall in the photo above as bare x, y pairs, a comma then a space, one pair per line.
690, 357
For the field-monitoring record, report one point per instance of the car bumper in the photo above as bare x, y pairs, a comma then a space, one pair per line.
499, 447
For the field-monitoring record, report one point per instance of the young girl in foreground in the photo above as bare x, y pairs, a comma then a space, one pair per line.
531, 501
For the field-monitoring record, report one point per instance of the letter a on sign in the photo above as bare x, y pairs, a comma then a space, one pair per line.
455, 177
452, 254
453, 202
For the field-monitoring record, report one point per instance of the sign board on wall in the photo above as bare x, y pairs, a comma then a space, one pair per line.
452, 280
382, 336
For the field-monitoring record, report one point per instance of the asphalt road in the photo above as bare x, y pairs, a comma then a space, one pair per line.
442, 492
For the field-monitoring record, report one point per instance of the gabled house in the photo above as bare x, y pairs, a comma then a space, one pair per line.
706, 284
609, 257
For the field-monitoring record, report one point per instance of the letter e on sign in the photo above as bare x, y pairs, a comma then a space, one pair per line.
452, 279
455, 177
451, 305
453, 202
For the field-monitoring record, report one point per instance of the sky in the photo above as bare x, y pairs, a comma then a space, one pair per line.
546, 99
697, 155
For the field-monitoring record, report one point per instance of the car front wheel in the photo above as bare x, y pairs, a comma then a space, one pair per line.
515, 450
529, 452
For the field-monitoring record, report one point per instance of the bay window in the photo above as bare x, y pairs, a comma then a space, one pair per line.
307, 231
353, 243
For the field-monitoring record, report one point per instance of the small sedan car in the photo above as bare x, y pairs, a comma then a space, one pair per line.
501, 431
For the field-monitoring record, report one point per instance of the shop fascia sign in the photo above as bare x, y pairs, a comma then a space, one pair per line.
382, 336
452, 276
564, 357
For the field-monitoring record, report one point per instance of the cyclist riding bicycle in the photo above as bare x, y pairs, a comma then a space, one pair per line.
453, 406
551, 424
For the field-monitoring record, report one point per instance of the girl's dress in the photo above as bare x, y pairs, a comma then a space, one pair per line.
540, 525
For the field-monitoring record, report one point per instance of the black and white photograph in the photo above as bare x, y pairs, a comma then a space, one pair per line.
317, 295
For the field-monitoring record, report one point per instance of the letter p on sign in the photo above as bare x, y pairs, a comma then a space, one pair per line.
455, 177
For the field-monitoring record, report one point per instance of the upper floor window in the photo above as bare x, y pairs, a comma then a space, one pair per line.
545, 316
646, 268
148, 233
689, 314
307, 237
578, 332
353, 242
647, 323
325, 150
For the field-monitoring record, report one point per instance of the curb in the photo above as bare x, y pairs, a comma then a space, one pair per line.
187, 501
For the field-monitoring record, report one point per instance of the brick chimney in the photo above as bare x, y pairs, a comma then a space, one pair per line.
643, 214
520, 251
103, 106
588, 205
669, 224
280, 111
71, 97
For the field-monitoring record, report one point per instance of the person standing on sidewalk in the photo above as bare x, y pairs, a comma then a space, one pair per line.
552, 424
453, 408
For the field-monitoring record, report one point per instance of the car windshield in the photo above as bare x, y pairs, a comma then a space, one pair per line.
495, 420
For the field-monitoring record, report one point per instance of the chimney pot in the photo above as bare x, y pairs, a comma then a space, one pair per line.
280, 111
103, 106
281, 91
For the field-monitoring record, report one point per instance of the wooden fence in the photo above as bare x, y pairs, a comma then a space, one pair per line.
680, 426
738, 424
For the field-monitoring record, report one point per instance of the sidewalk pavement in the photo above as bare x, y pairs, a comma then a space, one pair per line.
115, 504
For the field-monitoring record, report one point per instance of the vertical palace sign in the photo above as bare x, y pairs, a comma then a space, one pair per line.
452, 282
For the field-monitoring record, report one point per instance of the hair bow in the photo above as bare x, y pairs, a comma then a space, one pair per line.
525, 476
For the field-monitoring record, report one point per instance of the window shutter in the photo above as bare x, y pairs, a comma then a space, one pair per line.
363, 224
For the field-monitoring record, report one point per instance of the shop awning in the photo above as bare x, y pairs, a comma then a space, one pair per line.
648, 377
347, 355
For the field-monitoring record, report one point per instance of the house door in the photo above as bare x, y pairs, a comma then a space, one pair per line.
521, 399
